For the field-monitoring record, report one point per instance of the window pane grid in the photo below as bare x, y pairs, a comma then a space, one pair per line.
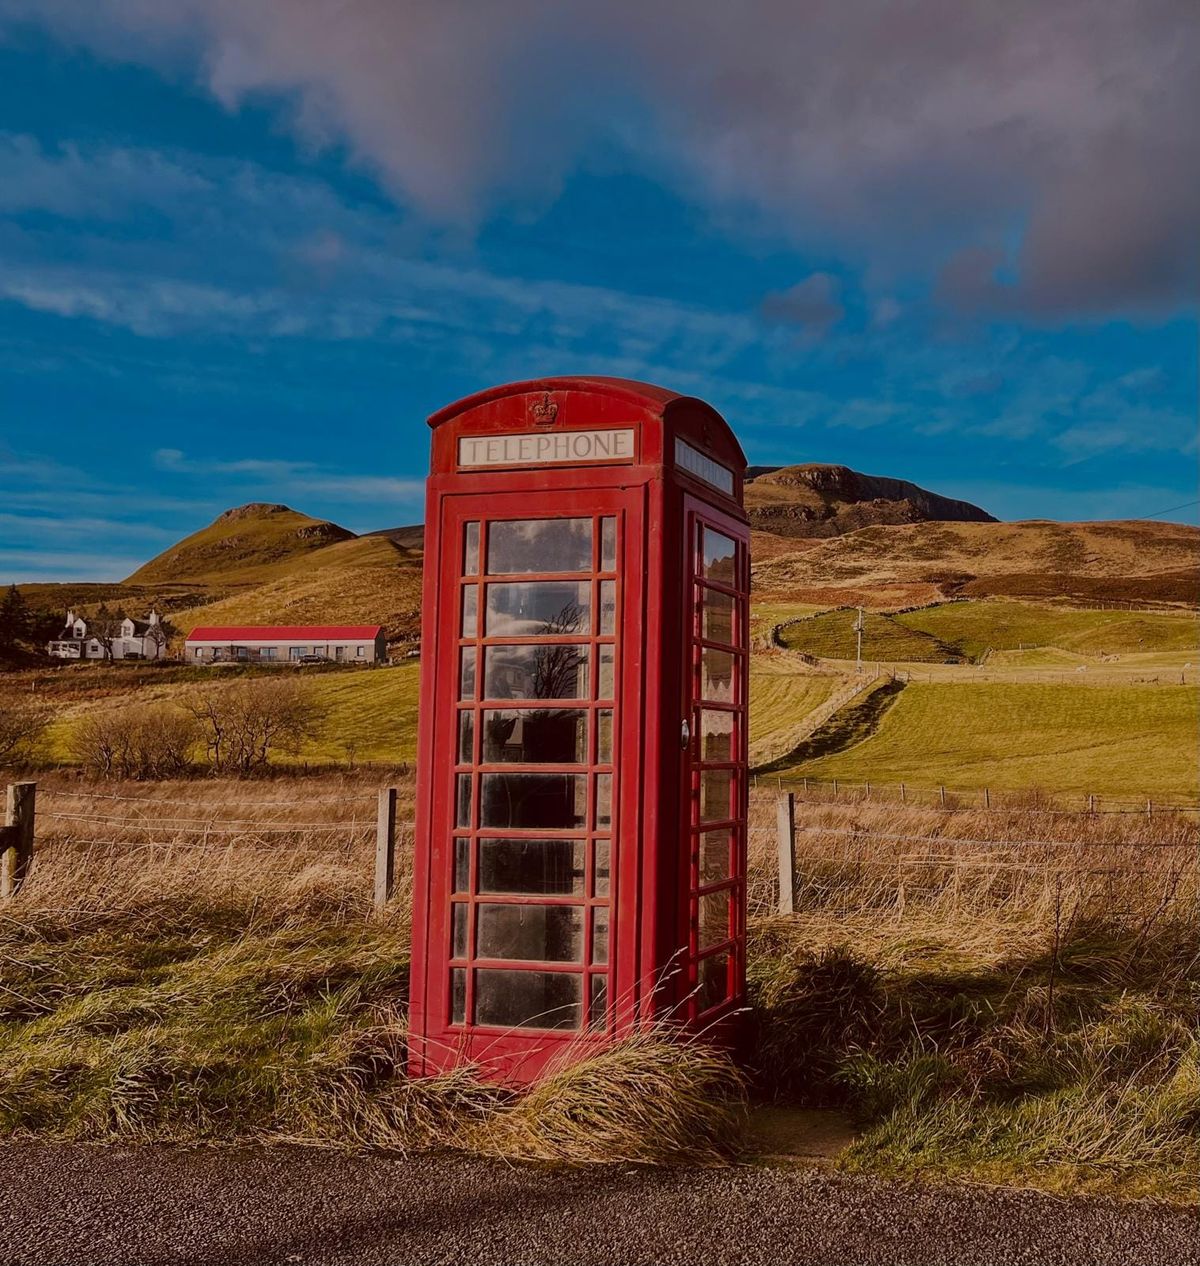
475, 760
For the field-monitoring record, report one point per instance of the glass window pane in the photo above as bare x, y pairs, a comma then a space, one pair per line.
535, 672
458, 995
466, 737
716, 795
528, 999
608, 545
604, 721
716, 736
466, 677
534, 867
531, 545
458, 930
598, 1001
716, 675
600, 882
718, 612
470, 610
535, 736
715, 860
471, 550
720, 554
547, 934
462, 816
713, 927
603, 801
713, 984
605, 685
462, 865
600, 935
534, 801
539, 608
608, 607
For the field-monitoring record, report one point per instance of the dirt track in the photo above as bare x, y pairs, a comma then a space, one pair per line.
70, 1204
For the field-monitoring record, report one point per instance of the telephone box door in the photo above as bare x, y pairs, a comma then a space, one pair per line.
716, 677
536, 773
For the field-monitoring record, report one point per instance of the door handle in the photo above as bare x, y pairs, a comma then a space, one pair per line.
685, 735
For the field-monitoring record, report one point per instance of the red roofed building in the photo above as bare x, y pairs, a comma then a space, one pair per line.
282, 643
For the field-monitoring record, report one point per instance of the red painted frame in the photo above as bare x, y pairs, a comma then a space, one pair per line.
657, 504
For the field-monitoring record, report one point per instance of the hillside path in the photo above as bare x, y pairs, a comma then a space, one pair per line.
69, 1203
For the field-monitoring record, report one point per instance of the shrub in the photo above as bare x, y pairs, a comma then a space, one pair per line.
21, 726
244, 723
138, 743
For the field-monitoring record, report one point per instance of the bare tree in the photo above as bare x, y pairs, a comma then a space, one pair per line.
105, 627
141, 743
160, 634
245, 722
21, 725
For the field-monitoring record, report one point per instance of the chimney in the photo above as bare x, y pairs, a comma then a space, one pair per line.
70, 617
153, 620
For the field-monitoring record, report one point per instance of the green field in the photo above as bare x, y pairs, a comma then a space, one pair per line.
968, 630
1108, 740
779, 703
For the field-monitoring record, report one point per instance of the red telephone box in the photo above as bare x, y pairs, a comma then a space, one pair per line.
581, 789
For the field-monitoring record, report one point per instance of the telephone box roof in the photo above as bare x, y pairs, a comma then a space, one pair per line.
646, 395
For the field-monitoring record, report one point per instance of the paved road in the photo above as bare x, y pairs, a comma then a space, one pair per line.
68, 1204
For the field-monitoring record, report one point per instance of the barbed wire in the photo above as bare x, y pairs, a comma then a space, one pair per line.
210, 823
966, 840
364, 797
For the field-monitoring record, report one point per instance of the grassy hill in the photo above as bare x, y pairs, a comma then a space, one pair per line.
968, 630
243, 546
1137, 560
1111, 740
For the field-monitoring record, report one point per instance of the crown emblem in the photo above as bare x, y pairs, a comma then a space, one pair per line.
544, 411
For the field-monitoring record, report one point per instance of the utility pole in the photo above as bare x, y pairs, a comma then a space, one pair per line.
858, 628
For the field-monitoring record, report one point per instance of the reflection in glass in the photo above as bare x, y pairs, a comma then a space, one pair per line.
462, 865
716, 735
718, 617
466, 676
608, 545
535, 672
528, 999
538, 608
544, 934
600, 935
605, 684
458, 995
535, 736
534, 801
603, 801
471, 550
601, 864
532, 545
462, 816
719, 558
715, 856
713, 927
597, 1001
466, 737
604, 736
470, 610
716, 795
716, 675
533, 867
713, 985
608, 607
458, 930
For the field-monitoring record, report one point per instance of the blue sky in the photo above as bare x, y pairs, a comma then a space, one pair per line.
243, 259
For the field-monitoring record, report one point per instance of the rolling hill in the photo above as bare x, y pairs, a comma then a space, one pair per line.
245, 545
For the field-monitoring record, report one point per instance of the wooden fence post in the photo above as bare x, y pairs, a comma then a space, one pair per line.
1091, 803
902, 797
942, 794
987, 798
1149, 809
835, 788
16, 837
785, 825
385, 847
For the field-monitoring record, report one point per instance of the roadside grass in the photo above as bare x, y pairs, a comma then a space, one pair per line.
972, 628
1120, 740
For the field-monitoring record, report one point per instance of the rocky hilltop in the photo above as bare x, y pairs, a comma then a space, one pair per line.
819, 500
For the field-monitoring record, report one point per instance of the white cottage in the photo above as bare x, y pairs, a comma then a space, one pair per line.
129, 639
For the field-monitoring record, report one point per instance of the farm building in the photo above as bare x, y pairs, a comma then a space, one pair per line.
114, 637
304, 643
